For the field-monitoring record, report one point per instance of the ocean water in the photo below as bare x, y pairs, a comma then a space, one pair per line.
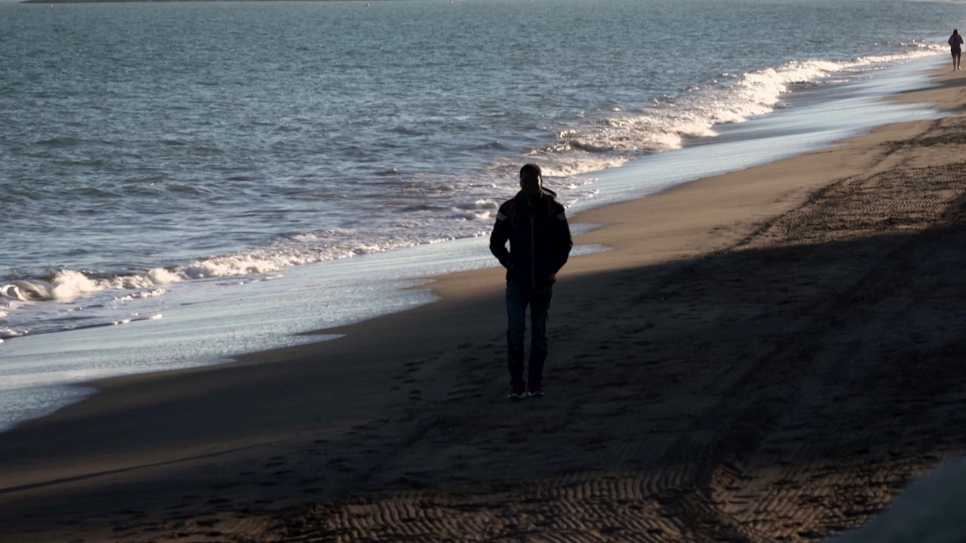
183, 182
931, 510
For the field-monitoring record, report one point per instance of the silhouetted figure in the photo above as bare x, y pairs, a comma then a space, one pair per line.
536, 226
956, 44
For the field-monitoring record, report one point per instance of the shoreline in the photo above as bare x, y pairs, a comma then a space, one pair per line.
418, 414
194, 329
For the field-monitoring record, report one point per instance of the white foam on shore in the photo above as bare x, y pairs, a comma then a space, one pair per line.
785, 133
613, 140
68, 285
209, 322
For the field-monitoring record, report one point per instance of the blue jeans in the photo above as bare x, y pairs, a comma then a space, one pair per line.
517, 300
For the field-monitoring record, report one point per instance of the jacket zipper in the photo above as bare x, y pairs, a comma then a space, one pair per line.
533, 252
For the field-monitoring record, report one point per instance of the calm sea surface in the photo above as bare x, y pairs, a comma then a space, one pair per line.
151, 150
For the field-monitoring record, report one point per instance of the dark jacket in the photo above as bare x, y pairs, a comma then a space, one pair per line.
539, 239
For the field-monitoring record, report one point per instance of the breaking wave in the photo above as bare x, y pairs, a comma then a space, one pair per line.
614, 138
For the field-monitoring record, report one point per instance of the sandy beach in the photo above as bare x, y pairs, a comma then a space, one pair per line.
767, 355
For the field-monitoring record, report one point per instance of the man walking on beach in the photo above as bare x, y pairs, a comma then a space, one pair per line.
955, 44
536, 227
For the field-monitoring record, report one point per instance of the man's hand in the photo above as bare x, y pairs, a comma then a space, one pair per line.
542, 285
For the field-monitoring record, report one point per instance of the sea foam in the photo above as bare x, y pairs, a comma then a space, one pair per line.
68, 285
670, 122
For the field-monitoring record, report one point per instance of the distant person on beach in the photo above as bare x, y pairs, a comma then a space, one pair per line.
956, 44
536, 226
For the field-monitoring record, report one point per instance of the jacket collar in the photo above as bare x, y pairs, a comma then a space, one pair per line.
545, 194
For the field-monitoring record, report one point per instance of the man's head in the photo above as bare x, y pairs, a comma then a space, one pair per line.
531, 180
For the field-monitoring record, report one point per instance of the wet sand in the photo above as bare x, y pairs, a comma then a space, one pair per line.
767, 355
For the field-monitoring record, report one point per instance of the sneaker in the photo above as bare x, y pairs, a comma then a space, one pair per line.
517, 392
534, 390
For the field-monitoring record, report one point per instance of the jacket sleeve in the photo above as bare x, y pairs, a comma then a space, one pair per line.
498, 239
562, 242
